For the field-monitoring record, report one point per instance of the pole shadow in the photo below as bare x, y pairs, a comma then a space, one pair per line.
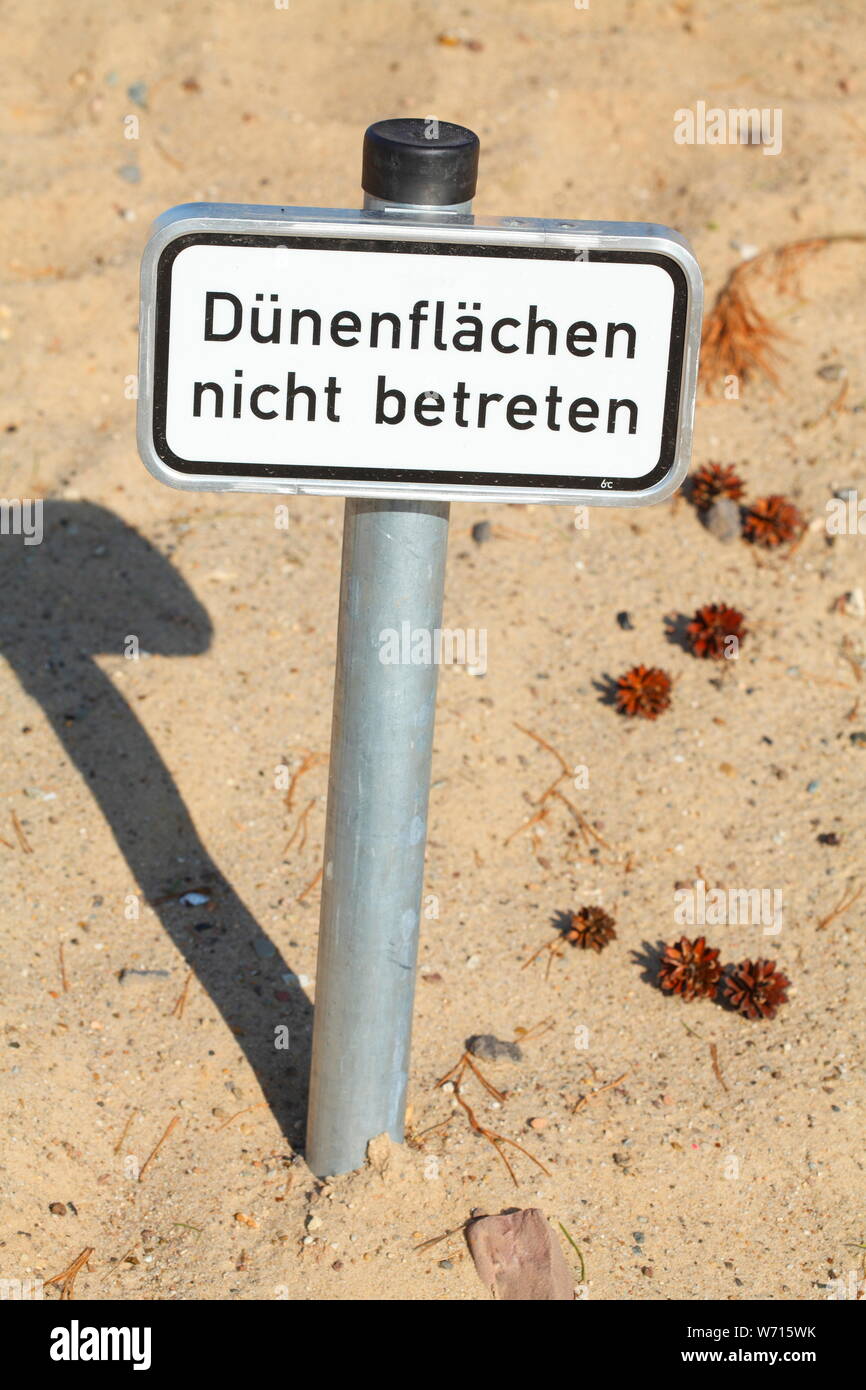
90, 583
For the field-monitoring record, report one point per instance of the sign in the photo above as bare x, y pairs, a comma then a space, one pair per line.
387, 355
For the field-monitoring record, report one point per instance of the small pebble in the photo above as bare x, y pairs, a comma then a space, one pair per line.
625, 622
814, 785
446, 1264
832, 371
722, 520
829, 837
137, 92
491, 1049
858, 738
481, 532
57, 1209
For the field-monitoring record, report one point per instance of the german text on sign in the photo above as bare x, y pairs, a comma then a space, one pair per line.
440, 360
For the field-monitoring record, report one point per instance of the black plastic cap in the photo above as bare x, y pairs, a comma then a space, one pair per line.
420, 160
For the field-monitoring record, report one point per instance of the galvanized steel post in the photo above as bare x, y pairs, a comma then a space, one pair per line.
382, 738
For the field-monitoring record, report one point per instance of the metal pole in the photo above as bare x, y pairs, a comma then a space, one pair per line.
381, 740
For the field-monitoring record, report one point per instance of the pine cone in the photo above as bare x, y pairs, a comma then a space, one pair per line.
716, 480
710, 628
771, 521
590, 928
644, 691
756, 988
691, 969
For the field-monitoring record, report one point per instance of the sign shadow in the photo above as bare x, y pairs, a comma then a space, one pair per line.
92, 583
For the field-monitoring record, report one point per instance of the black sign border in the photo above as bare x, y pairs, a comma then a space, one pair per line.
189, 468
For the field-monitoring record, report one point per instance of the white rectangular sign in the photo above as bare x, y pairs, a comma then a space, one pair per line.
292, 350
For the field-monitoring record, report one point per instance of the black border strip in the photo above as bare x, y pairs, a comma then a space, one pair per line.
192, 468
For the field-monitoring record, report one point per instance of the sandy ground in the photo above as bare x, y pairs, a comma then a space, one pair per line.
131, 781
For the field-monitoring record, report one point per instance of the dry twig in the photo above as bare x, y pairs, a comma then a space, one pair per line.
455, 1076
435, 1240
738, 340
714, 1056
64, 980
66, 1280
119, 1143
19, 831
310, 886
300, 827
600, 1090
310, 760
246, 1110
843, 907
180, 1003
588, 832
153, 1153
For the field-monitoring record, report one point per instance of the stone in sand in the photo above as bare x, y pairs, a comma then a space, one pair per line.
518, 1257
490, 1049
722, 519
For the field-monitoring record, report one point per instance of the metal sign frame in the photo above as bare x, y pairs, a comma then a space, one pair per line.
514, 237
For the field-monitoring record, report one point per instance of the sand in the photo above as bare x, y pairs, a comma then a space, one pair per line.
127, 782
